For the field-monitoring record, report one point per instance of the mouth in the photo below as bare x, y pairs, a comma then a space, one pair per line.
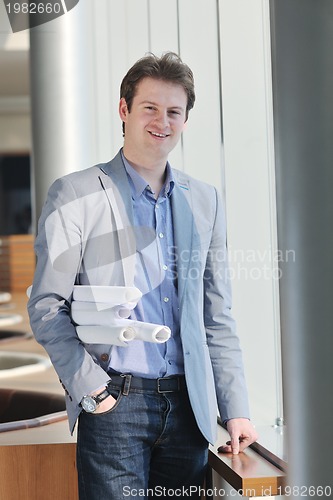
158, 135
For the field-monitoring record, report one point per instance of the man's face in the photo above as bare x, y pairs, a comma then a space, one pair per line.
156, 120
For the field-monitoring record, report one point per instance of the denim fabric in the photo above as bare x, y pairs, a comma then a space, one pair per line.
147, 444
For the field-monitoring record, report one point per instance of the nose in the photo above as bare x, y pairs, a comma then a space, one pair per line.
162, 120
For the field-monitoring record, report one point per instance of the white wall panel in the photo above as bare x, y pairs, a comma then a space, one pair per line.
163, 18
136, 29
101, 98
118, 65
250, 196
199, 48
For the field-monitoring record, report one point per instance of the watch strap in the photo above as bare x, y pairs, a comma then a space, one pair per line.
100, 397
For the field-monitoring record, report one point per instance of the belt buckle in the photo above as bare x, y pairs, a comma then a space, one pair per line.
162, 391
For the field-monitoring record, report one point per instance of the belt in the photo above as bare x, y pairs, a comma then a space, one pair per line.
159, 385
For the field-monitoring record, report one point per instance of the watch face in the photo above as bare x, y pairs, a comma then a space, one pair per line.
88, 404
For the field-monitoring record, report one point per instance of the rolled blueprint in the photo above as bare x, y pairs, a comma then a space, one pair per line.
90, 313
113, 295
100, 312
123, 331
101, 306
148, 332
116, 335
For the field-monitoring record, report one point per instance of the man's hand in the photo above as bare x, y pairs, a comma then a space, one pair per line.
242, 434
105, 405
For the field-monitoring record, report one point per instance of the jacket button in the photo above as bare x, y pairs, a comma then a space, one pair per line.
105, 357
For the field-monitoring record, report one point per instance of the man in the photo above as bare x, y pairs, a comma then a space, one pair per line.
135, 221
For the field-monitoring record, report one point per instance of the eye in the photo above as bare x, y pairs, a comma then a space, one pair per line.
174, 112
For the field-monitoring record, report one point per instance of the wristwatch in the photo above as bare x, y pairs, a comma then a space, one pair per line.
90, 403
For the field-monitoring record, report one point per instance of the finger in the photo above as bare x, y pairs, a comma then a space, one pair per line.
225, 448
235, 445
244, 443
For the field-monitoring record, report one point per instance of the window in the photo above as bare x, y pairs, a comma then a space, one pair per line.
15, 195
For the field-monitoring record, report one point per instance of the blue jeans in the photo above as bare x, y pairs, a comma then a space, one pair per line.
147, 446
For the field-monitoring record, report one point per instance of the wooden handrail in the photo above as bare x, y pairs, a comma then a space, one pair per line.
249, 473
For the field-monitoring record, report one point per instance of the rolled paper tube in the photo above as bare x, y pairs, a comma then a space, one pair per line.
113, 295
120, 312
107, 317
82, 312
115, 335
148, 332
101, 306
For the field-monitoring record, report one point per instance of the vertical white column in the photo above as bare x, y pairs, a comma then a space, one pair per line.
60, 99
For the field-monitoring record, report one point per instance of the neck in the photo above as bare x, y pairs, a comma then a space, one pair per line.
153, 172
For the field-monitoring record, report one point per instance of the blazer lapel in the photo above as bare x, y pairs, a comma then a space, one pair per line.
116, 176
114, 181
183, 224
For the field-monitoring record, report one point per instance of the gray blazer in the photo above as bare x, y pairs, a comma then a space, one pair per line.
86, 236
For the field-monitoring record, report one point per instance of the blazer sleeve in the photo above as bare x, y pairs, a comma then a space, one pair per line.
58, 249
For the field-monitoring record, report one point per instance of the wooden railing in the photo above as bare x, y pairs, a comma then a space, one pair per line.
252, 473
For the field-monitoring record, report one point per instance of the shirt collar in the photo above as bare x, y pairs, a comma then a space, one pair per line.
139, 184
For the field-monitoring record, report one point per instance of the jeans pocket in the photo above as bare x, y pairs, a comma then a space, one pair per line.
117, 395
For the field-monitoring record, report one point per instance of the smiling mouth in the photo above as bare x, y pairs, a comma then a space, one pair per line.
156, 134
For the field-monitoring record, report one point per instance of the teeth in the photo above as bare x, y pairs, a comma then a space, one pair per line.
158, 135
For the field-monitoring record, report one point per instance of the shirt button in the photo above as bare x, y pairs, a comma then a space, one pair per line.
104, 357
161, 235
165, 267
166, 299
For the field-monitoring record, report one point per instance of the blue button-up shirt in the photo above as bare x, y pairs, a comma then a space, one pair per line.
156, 277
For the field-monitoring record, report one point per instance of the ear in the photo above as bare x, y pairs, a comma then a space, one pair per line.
123, 109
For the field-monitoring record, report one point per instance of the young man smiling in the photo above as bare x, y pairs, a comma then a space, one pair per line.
155, 404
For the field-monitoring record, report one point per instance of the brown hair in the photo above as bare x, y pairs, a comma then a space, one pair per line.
169, 67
